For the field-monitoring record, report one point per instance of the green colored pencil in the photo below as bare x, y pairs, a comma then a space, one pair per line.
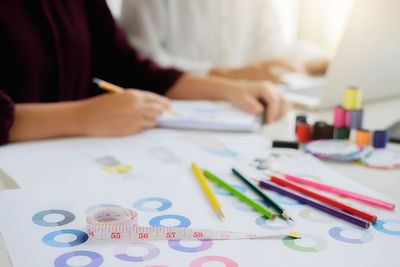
266, 212
275, 205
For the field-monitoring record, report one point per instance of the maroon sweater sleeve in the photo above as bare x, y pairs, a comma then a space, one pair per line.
116, 61
6, 116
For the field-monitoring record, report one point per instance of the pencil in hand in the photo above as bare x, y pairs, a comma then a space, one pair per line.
112, 88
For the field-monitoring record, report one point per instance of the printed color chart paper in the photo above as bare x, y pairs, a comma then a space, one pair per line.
46, 226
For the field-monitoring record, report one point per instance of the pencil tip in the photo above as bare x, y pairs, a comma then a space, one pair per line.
291, 219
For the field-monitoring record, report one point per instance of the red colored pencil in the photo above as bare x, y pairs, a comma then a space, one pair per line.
331, 201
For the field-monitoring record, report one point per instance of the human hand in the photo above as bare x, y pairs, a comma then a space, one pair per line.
270, 70
251, 96
121, 113
317, 66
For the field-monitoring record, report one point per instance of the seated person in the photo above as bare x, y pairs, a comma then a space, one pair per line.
51, 50
251, 40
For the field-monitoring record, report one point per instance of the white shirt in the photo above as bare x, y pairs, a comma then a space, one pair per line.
194, 35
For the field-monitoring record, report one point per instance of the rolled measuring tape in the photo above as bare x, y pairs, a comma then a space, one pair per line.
381, 159
338, 150
121, 224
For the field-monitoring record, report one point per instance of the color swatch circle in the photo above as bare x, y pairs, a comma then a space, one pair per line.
97, 259
290, 242
199, 262
379, 225
38, 218
93, 208
165, 204
266, 223
183, 221
176, 245
50, 240
336, 233
152, 252
320, 218
287, 201
222, 192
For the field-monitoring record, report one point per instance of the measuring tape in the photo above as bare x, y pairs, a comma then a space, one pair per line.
121, 224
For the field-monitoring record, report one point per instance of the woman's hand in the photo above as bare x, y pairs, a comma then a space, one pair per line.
121, 113
249, 96
104, 115
268, 70
257, 97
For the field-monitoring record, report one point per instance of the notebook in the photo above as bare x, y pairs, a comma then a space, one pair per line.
207, 115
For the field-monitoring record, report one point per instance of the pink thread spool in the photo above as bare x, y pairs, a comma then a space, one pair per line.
339, 119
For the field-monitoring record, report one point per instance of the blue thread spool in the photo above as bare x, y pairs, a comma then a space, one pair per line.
381, 138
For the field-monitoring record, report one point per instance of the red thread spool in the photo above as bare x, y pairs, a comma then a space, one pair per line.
304, 132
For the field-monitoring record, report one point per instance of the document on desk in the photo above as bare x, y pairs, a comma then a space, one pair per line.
208, 115
151, 173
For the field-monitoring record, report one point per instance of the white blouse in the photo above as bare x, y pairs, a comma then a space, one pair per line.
194, 35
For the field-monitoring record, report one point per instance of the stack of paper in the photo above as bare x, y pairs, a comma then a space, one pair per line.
208, 115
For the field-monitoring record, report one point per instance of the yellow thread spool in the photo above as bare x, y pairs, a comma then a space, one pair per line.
363, 138
352, 98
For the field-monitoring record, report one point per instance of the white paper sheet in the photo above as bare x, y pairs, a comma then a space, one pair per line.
160, 167
207, 115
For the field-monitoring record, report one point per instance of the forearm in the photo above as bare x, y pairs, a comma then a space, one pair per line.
45, 120
192, 87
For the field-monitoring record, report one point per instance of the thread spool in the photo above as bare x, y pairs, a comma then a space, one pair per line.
363, 137
285, 144
356, 119
339, 118
352, 98
347, 118
322, 130
381, 138
304, 132
300, 119
342, 133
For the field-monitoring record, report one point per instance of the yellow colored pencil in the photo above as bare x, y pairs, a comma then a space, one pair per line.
203, 182
112, 88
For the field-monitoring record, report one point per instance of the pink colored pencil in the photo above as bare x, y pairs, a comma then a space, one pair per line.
342, 192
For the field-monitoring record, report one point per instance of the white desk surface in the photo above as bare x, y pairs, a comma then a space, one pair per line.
377, 115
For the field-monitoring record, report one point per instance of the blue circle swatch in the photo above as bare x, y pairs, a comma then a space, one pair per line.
335, 232
38, 218
165, 204
156, 221
220, 191
49, 239
379, 225
205, 244
152, 252
97, 259
93, 208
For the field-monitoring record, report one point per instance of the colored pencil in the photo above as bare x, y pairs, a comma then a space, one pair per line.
112, 88
263, 210
331, 201
207, 189
342, 192
264, 197
313, 203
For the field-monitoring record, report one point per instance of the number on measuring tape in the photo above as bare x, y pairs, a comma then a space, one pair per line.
170, 235
198, 234
91, 233
143, 235
115, 235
